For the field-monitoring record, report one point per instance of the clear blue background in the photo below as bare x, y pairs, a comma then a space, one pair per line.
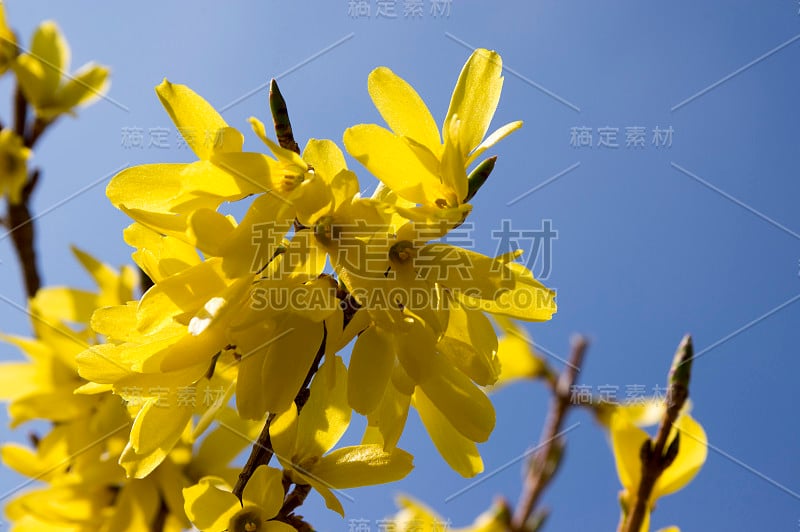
645, 253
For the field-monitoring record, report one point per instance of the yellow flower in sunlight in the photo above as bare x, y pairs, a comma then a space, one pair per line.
161, 196
627, 439
212, 507
414, 159
8, 42
43, 75
13, 165
417, 517
301, 442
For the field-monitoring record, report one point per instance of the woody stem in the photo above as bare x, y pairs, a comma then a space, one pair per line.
545, 461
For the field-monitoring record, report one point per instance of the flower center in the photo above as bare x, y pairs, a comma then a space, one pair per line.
248, 519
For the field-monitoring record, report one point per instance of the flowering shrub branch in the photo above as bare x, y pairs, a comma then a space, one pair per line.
279, 326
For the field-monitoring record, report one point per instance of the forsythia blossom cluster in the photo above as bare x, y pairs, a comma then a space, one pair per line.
125, 380
315, 304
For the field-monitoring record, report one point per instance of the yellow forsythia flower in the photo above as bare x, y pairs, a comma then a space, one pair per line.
627, 439
414, 159
212, 507
301, 442
43, 75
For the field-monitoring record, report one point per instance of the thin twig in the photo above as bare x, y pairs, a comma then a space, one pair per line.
656, 456
294, 500
18, 218
543, 465
260, 454
22, 231
20, 112
35, 132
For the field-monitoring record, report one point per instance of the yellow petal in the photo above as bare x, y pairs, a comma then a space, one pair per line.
16, 379
470, 344
114, 288
403, 109
459, 452
67, 304
371, 365
469, 274
194, 117
528, 300
209, 504
255, 240
60, 405
501, 133
453, 165
255, 171
326, 158
390, 417
212, 231
516, 355
50, 48
283, 154
288, 359
414, 515
265, 490
30, 73
48, 461
177, 187
394, 162
323, 489
250, 402
692, 453
158, 425
283, 434
87, 84
141, 465
457, 397
326, 416
626, 442
158, 255
363, 465
475, 98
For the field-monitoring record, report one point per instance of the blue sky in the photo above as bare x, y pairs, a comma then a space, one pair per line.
700, 234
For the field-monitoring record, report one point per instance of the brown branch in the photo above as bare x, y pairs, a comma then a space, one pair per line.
18, 219
656, 455
20, 112
22, 231
35, 132
261, 454
545, 461
294, 500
